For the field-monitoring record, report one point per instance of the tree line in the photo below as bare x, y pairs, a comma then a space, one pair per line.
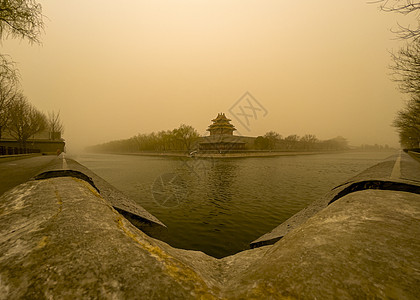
182, 138
274, 141
186, 138
22, 120
406, 71
18, 117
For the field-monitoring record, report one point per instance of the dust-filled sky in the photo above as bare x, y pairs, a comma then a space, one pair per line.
118, 68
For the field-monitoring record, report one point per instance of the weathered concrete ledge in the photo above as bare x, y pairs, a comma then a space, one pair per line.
135, 213
399, 172
60, 239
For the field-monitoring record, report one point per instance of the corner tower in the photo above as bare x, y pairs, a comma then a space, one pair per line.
221, 126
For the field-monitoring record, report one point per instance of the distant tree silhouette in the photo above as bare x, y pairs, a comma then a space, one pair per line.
55, 126
261, 143
178, 139
408, 123
309, 141
7, 95
291, 141
273, 138
337, 143
187, 135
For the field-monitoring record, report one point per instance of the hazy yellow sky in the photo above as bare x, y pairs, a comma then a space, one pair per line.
118, 68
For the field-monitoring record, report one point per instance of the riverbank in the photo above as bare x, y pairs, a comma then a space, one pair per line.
229, 154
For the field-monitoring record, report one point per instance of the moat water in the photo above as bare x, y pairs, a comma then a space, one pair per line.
219, 206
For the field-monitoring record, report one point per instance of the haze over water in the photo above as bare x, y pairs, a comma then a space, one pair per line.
224, 204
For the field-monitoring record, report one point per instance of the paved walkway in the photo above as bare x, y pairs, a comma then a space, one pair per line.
17, 171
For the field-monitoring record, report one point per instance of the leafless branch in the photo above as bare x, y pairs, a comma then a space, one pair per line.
22, 19
8, 70
406, 68
405, 7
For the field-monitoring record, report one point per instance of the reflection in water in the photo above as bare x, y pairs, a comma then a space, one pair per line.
219, 182
220, 205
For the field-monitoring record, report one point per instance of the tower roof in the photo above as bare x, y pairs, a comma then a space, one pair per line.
221, 117
221, 122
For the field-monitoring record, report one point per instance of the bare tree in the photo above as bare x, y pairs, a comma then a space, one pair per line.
55, 126
18, 19
7, 95
408, 123
25, 120
406, 68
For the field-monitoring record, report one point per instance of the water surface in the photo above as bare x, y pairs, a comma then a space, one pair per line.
219, 206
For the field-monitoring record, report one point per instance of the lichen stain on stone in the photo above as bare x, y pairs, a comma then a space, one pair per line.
59, 201
262, 290
86, 184
407, 209
338, 219
178, 271
43, 242
18, 248
17, 197
111, 289
4, 289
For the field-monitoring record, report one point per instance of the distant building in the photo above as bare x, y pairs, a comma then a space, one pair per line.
42, 142
221, 126
221, 136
